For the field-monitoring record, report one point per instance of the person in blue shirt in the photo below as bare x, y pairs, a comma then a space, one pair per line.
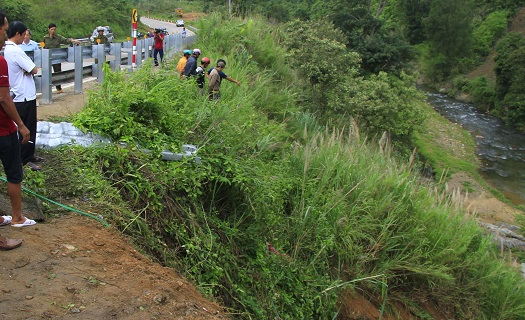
215, 76
191, 65
28, 44
223, 75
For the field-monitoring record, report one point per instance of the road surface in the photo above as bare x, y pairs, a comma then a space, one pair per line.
170, 27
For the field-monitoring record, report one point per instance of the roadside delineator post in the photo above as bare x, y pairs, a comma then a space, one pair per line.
134, 35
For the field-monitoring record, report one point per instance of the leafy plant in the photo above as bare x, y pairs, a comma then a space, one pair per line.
491, 28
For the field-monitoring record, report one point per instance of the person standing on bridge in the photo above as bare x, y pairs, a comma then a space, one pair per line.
23, 89
10, 126
158, 48
52, 41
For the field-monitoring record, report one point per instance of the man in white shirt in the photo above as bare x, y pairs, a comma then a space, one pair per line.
22, 88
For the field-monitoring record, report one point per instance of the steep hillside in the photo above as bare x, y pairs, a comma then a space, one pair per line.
487, 68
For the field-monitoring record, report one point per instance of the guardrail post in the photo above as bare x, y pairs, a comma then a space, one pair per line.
37, 59
79, 68
46, 76
173, 39
140, 44
147, 49
100, 59
128, 48
167, 45
115, 50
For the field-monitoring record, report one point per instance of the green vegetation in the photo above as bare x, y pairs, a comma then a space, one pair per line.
70, 21
433, 146
299, 197
284, 214
451, 37
510, 84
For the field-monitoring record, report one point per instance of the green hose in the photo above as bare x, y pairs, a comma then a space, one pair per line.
104, 223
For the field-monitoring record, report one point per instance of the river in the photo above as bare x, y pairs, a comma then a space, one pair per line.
501, 150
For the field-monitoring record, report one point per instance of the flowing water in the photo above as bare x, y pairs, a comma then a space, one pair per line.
501, 150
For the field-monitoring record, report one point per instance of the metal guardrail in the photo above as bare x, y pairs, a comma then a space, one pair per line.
88, 61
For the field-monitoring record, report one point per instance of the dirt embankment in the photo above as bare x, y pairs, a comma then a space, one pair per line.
74, 268
487, 67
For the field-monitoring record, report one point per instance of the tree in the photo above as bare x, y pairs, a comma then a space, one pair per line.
380, 49
449, 31
411, 14
510, 79
17, 10
318, 52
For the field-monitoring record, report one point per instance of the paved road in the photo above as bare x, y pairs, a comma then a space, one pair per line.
170, 27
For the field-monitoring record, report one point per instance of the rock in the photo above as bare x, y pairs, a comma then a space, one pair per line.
160, 299
71, 290
503, 235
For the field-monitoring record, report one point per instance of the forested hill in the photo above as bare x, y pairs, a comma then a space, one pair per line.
488, 67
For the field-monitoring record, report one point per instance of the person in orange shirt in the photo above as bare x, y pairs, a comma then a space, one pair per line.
182, 62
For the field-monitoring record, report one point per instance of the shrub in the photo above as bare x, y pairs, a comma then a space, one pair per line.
492, 28
483, 93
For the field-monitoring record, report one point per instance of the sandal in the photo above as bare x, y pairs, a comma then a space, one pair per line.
37, 159
26, 223
33, 166
6, 221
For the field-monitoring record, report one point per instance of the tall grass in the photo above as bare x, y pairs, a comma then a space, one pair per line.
283, 216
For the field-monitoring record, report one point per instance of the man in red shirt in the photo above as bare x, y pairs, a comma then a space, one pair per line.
10, 125
158, 48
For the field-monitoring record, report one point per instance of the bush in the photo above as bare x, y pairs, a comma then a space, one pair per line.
482, 92
492, 28
510, 79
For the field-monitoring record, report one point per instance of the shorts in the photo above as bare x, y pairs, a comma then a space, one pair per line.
11, 158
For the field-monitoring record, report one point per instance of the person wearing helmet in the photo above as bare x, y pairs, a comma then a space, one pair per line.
200, 72
182, 62
216, 75
100, 38
191, 64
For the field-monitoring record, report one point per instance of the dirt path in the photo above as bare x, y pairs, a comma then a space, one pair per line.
65, 104
74, 268
480, 203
